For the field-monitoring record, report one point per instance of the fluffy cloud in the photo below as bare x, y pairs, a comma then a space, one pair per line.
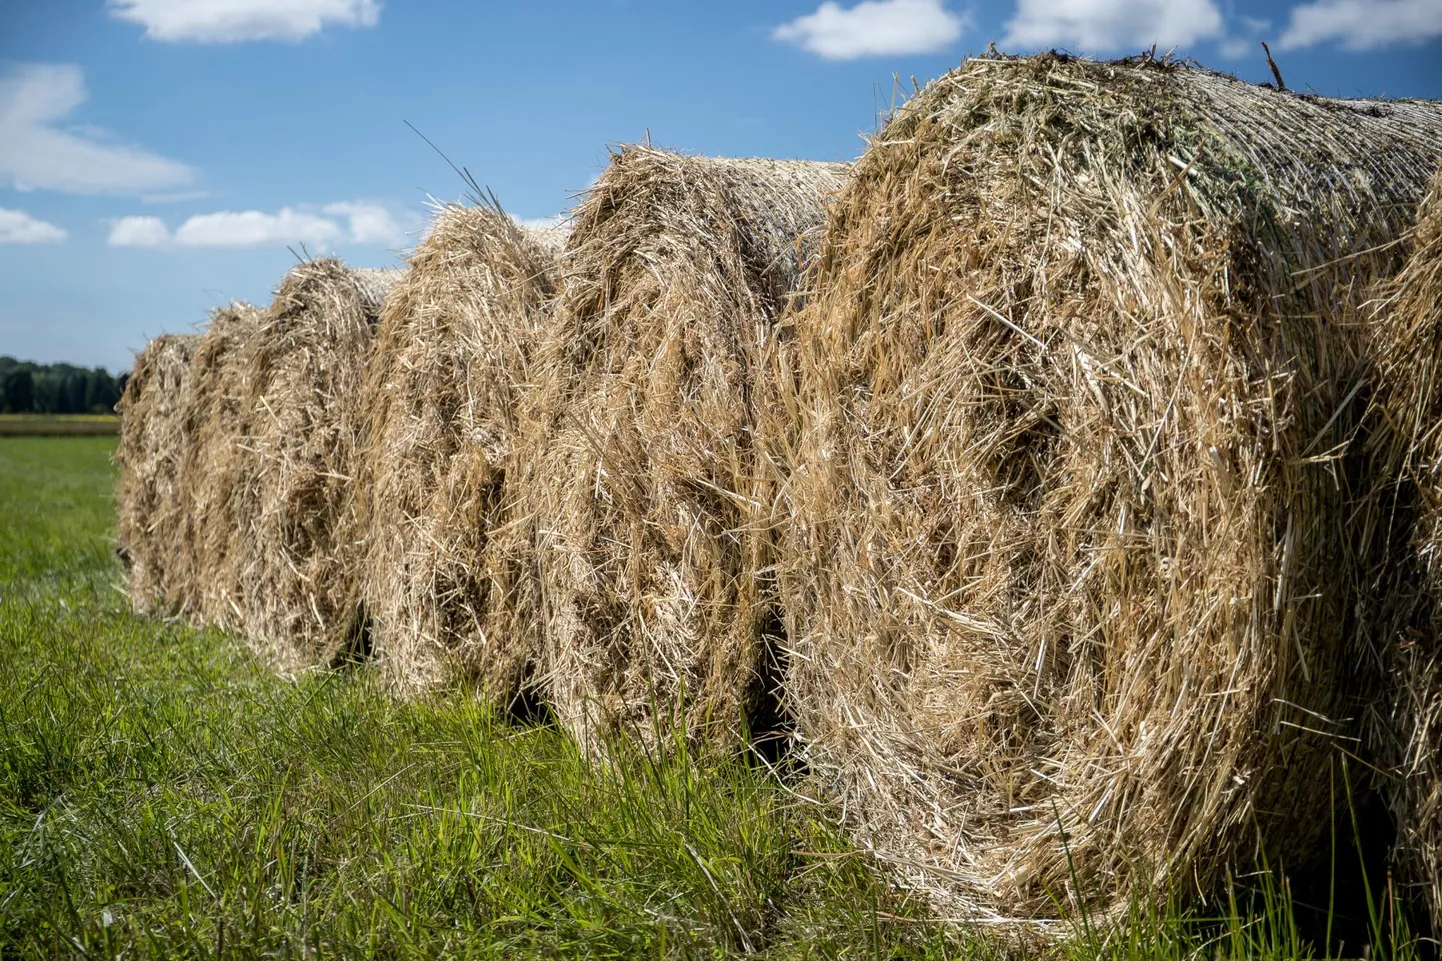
252, 228
366, 223
18, 227
138, 232
233, 21
36, 153
1363, 24
874, 28
1107, 26
1247, 40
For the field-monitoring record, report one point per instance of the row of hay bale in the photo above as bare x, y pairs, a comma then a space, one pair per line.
1070, 468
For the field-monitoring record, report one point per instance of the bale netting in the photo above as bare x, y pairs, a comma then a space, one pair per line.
1408, 329
444, 571
216, 414
295, 560
639, 472
149, 502
1077, 572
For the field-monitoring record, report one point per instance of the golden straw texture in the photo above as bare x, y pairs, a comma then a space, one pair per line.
447, 580
1080, 564
1408, 328
215, 416
294, 559
639, 470
149, 498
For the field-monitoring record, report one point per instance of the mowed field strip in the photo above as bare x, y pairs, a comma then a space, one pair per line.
58, 425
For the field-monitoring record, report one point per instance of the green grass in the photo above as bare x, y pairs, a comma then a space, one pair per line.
58, 425
161, 796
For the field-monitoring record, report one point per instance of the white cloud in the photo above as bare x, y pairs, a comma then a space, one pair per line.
874, 28
36, 153
18, 227
253, 228
1235, 48
138, 232
1105, 26
234, 21
1249, 41
368, 223
1363, 24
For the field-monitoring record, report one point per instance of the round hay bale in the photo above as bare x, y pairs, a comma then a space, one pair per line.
217, 411
149, 499
294, 557
446, 600
1408, 328
1078, 568
641, 464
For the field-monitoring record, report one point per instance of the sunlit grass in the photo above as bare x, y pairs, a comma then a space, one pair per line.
161, 795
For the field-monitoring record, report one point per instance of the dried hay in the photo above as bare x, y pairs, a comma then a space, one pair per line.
1408, 328
149, 499
294, 560
443, 576
215, 463
638, 473
1079, 539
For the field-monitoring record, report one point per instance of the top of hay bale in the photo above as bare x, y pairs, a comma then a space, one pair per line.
452, 357
1069, 550
375, 282
552, 239
763, 210
676, 270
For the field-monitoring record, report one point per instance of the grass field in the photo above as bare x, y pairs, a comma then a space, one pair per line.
58, 425
162, 796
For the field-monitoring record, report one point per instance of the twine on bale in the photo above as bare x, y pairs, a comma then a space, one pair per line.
295, 558
445, 579
149, 498
638, 469
1079, 570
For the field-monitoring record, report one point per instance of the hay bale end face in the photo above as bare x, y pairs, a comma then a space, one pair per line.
640, 467
445, 577
1408, 328
149, 497
1080, 541
296, 560
217, 412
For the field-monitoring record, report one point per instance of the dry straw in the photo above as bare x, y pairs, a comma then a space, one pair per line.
216, 417
1408, 327
639, 470
1079, 576
149, 499
293, 560
446, 581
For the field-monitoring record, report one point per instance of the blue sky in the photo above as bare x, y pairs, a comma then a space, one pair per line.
157, 157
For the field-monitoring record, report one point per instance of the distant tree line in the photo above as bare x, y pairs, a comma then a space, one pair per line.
27, 388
